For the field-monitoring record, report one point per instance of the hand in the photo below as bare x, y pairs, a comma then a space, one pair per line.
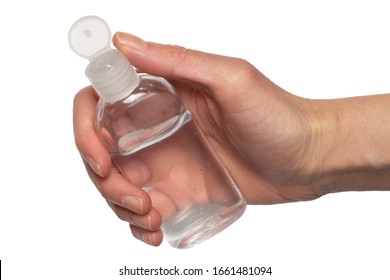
258, 130
271, 141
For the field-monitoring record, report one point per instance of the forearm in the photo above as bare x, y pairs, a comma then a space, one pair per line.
352, 138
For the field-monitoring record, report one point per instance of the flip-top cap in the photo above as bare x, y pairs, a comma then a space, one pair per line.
109, 71
89, 37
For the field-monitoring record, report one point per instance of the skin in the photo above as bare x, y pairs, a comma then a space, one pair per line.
277, 146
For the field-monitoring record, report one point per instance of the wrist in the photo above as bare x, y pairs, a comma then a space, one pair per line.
349, 149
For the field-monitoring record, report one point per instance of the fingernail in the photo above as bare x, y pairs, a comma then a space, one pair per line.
133, 203
130, 41
95, 166
140, 221
145, 237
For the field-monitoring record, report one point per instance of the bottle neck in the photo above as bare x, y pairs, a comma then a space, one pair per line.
112, 76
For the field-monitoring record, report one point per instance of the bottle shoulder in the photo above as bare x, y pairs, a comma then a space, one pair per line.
148, 112
150, 87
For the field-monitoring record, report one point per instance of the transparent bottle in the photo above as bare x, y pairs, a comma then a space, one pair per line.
153, 140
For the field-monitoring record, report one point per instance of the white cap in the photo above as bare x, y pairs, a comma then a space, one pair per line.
109, 71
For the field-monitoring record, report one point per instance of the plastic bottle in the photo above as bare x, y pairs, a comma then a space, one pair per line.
153, 140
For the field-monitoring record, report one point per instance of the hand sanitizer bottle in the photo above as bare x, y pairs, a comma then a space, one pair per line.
153, 140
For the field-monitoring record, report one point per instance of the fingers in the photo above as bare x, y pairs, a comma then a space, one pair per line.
153, 238
119, 191
151, 221
145, 228
129, 202
87, 142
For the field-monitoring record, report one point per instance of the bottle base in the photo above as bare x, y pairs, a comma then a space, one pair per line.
187, 228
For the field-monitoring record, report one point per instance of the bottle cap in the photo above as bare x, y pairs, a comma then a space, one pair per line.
90, 36
109, 71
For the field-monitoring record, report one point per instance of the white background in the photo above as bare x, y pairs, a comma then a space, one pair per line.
53, 222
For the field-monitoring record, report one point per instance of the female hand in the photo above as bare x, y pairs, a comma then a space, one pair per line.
271, 142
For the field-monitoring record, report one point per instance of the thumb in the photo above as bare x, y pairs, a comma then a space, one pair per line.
210, 71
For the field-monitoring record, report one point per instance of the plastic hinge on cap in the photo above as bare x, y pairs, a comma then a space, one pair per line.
89, 37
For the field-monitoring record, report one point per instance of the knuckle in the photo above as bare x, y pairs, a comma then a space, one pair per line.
120, 212
106, 190
178, 53
176, 56
245, 71
81, 95
81, 136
